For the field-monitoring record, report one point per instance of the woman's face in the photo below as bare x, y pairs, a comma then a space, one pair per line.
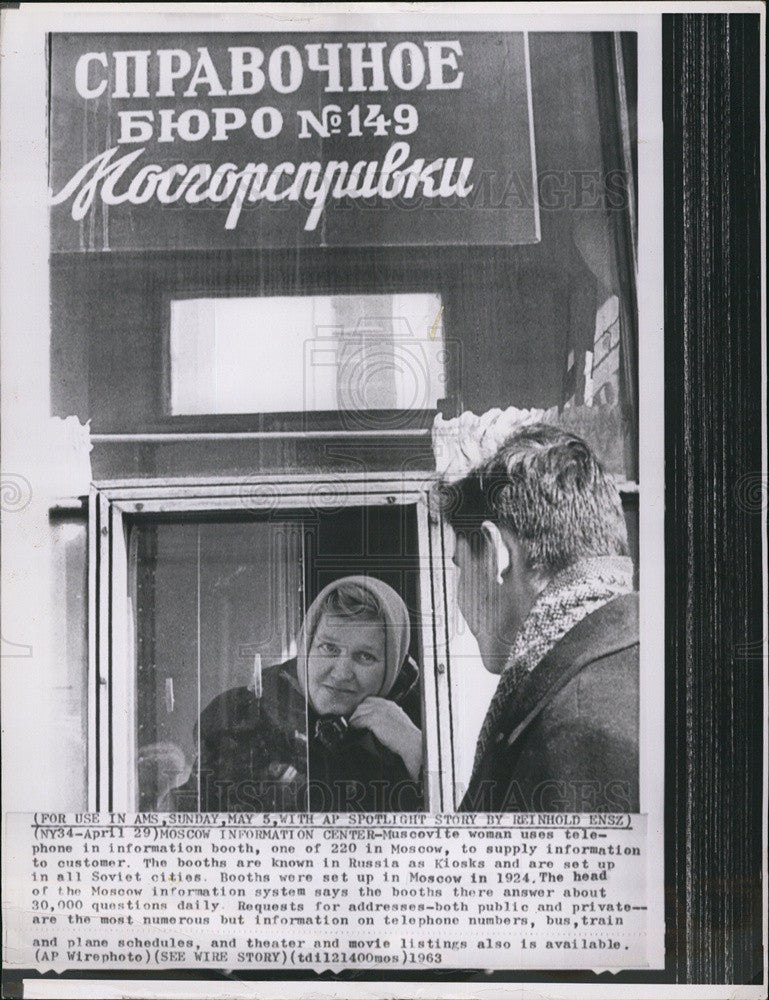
346, 664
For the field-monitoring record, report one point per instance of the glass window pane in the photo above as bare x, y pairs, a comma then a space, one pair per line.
217, 606
306, 353
233, 711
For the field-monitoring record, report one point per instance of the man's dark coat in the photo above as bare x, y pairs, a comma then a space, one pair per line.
568, 739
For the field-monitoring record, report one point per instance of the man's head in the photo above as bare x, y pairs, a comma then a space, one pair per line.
540, 504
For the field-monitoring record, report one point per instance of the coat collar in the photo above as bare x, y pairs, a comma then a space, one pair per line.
610, 629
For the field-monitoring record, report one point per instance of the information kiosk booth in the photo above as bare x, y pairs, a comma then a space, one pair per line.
273, 265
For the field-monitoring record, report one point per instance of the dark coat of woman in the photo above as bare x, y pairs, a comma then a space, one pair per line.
274, 754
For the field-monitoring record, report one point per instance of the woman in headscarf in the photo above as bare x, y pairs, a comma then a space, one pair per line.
365, 746
335, 730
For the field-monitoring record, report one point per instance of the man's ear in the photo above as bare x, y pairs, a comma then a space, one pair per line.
499, 547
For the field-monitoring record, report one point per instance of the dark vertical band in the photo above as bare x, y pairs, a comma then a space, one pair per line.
716, 497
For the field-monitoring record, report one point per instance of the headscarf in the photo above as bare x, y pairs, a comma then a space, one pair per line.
396, 624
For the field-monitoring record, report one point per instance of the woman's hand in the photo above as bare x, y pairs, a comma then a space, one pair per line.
393, 728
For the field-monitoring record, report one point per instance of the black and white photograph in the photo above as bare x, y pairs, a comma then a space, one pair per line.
350, 378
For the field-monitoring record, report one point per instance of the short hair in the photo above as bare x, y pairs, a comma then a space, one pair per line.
547, 487
352, 600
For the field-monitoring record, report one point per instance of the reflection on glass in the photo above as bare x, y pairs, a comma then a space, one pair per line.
246, 702
216, 605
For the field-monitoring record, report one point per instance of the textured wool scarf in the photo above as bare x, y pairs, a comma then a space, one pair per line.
570, 596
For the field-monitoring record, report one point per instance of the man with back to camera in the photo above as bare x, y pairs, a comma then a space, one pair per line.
546, 586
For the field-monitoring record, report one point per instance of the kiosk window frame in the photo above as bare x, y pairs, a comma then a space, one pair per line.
115, 507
